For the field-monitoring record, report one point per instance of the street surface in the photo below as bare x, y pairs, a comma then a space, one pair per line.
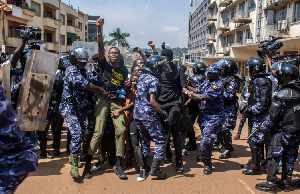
53, 176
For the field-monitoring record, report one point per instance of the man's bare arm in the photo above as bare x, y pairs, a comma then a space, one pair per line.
101, 53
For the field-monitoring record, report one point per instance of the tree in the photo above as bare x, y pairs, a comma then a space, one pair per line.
118, 38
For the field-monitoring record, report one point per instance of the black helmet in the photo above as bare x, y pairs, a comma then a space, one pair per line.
156, 63
256, 63
287, 69
199, 68
230, 67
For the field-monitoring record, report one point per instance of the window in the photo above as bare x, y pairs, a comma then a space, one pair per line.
62, 39
69, 23
80, 26
49, 37
239, 37
297, 11
62, 19
249, 34
37, 8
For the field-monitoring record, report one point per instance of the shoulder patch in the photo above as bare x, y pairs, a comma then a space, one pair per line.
214, 87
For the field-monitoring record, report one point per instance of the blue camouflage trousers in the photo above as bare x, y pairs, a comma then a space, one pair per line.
8, 184
152, 129
80, 128
211, 125
284, 146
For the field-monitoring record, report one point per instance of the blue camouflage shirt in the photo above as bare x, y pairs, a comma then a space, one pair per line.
213, 93
74, 91
146, 85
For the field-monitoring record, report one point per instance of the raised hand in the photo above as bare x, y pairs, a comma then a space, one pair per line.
151, 44
136, 49
100, 22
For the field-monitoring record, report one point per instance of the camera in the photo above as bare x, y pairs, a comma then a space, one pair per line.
32, 33
270, 44
289, 58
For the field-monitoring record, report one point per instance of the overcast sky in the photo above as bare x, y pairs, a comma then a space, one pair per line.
156, 20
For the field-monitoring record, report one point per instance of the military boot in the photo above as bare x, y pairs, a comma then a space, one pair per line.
156, 171
227, 147
207, 166
87, 168
254, 168
74, 166
270, 185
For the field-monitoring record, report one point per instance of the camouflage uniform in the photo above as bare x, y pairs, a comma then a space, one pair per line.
212, 118
146, 118
18, 155
77, 107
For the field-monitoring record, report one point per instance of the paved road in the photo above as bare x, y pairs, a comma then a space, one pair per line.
53, 176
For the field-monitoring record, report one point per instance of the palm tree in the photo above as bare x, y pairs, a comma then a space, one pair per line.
118, 38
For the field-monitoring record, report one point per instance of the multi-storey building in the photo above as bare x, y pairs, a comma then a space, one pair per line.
44, 14
239, 26
91, 31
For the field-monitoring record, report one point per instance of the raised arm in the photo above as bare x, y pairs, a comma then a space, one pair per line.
138, 50
17, 54
101, 52
151, 44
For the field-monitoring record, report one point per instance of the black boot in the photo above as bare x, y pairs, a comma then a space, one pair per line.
248, 165
270, 185
227, 147
118, 169
286, 180
56, 152
218, 144
156, 171
207, 166
253, 169
87, 168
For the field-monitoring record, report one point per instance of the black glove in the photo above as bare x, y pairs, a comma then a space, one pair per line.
247, 112
167, 119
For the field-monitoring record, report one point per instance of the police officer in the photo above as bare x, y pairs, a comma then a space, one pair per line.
283, 122
197, 79
147, 114
260, 89
77, 105
231, 86
211, 94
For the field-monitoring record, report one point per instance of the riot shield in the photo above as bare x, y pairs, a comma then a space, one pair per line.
36, 88
5, 79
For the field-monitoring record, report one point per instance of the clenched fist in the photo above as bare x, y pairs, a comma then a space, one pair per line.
100, 22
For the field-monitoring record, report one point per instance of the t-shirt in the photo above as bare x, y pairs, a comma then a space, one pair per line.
171, 87
112, 77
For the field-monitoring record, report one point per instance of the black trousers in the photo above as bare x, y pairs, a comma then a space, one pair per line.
175, 113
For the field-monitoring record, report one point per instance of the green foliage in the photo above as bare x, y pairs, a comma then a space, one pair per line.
118, 38
29, 8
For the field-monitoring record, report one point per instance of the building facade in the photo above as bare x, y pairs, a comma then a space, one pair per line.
44, 14
91, 27
235, 28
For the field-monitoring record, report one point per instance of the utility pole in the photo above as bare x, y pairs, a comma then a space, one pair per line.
3, 30
59, 26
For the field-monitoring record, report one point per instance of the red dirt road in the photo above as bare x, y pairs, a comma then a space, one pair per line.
53, 176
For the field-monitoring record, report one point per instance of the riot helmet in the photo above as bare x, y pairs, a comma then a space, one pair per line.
287, 70
256, 66
230, 67
156, 64
199, 68
80, 54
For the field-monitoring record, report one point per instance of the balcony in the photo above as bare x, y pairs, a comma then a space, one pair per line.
275, 4
21, 15
211, 37
278, 30
236, 29
211, 24
223, 50
225, 27
242, 17
212, 5
77, 30
71, 29
50, 46
13, 41
211, 17
224, 3
51, 23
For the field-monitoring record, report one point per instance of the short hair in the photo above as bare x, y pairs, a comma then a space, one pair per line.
132, 68
113, 47
134, 75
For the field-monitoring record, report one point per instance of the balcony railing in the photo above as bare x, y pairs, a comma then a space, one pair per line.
211, 17
277, 29
242, 16
224, 3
